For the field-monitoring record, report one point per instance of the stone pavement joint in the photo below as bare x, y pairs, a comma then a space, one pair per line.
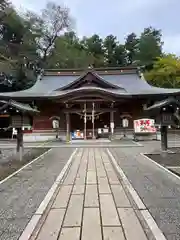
92, 204
34, 222
142, 211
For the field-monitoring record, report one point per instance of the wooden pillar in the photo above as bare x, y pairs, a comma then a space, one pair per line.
85, 120
67, 127
93, 112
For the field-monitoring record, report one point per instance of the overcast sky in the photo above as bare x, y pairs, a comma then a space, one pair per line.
120, 17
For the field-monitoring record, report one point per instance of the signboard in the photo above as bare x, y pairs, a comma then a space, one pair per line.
14, 132
99, 131
55, 124
112, 125
125, 123
144, 125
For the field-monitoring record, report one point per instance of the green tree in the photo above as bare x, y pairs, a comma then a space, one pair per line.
94, 49
110, 44
149, 46
115, 53
5, 9
51, 23
17, 51
131, 44
120, 55
165, 72
68, 53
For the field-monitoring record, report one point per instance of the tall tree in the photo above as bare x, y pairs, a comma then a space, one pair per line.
94, 48
110, 44
131, 44
5, 9
120, 56
17, 50
115, 53
165, 72
51, 23
149, 46
68, 53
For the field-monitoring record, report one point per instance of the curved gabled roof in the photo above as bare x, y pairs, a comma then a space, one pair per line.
97, 79
129, 81
117, 83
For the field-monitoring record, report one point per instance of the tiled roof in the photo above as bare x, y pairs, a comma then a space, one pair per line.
19, 106
163, 103
128, 83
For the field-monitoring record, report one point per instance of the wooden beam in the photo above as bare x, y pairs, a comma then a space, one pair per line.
91, 100
76, 97
75, 110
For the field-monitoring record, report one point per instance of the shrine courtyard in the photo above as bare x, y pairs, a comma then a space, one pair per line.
86, 192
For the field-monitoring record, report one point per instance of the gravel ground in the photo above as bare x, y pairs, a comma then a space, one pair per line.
175, 149
9, 160
171, 161
168, 159
21, 195
159, 190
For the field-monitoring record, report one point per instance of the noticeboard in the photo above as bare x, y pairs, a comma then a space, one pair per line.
55, 124
144, 125
125, 122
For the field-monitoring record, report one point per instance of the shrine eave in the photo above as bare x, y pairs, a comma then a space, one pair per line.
170, 101
116, 93
127, 83
19, 106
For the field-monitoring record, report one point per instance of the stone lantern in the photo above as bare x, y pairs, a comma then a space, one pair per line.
166, 113
20, 115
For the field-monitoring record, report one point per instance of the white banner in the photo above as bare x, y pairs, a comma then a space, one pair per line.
144, 125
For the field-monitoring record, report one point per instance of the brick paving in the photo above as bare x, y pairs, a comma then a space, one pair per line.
91, 204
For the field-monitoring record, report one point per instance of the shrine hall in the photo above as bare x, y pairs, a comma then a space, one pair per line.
91, 103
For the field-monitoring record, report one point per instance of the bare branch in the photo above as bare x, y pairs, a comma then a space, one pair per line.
53, 21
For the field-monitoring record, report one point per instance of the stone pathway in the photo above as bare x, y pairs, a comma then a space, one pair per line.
91, 204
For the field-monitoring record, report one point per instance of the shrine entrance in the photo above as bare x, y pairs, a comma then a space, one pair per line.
101, 125
89, 118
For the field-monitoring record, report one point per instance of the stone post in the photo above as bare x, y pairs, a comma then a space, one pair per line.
164, 141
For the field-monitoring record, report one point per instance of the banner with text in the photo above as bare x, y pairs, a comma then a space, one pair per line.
144, 125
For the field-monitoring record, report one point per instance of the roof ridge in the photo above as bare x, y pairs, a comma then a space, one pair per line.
88, 69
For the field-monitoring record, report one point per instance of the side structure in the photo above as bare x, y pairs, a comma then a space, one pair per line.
92, 102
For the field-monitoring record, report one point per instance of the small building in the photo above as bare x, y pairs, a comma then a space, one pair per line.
90, 103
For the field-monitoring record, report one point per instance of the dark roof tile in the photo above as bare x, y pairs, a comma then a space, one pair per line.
129, 83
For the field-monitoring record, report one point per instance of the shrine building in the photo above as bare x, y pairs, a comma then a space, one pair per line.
92, 103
